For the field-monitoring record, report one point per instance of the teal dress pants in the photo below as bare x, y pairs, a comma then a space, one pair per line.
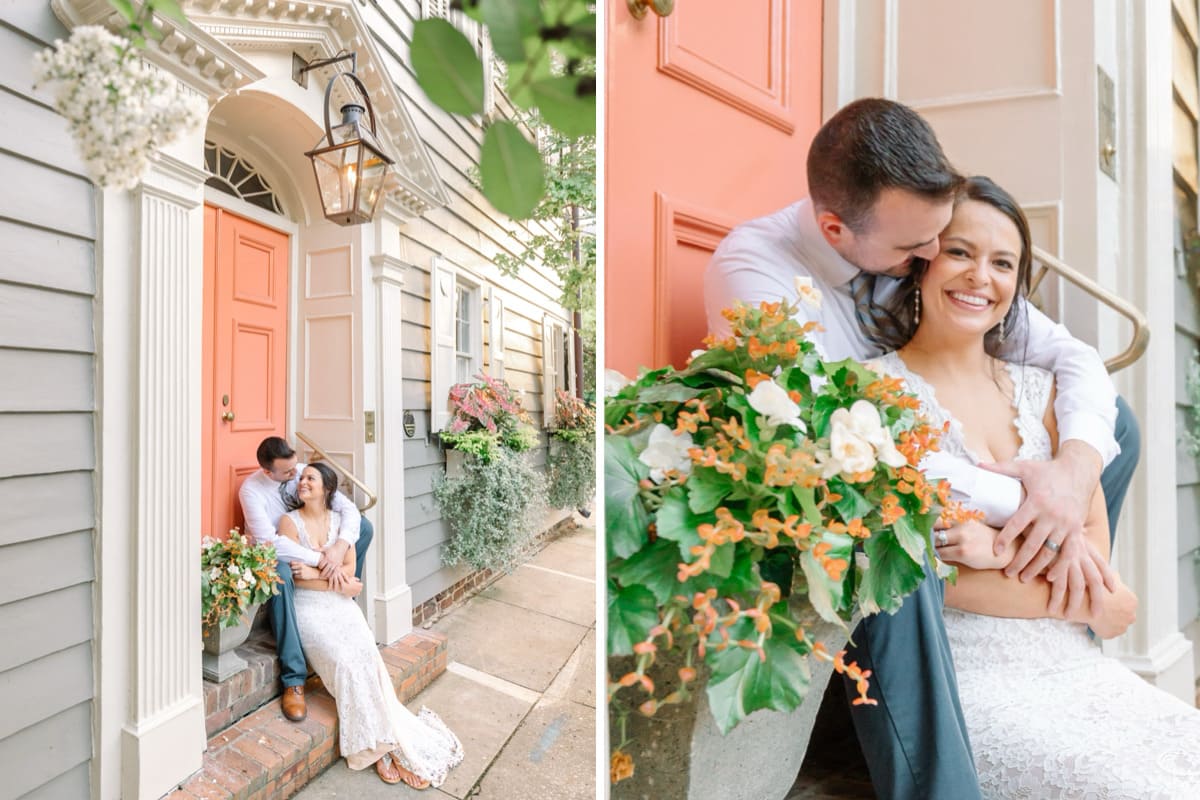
915, 741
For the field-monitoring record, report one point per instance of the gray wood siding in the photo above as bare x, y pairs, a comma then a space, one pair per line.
47, 451
469, 233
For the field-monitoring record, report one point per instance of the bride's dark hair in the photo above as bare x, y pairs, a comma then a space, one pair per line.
328, 480
983, 190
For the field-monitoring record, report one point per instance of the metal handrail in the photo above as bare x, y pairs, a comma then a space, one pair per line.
321, 455
1141, 330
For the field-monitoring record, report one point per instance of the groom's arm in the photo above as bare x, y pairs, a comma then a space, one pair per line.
1058, 492
745, 268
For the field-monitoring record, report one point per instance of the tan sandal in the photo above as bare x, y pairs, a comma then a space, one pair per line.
410, 778
388, 770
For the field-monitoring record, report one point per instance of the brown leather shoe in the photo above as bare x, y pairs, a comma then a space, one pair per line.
294, 707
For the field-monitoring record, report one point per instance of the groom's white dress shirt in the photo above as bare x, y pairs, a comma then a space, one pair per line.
263, 507
760, 259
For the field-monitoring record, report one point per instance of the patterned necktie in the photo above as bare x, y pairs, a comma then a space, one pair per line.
290, 501
879, 324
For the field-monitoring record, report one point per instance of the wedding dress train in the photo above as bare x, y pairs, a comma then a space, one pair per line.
1048, 714
372, 720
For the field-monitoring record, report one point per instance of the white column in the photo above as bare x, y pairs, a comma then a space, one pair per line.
1146, 541
393, 600
163, 737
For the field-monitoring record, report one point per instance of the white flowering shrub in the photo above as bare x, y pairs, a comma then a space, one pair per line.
118, 108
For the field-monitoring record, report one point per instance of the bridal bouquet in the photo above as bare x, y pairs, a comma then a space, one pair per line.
235, 575
744, 492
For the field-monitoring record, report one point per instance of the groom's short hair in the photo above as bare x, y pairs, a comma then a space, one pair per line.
871, 145
272, 448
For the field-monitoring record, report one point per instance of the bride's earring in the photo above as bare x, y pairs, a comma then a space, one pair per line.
1002, 328
917, 308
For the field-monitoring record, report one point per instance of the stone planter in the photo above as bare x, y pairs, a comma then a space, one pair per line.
455, 459
680, 754
219, 661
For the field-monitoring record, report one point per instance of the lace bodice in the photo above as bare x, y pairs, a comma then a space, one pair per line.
1031, 394
1049, 716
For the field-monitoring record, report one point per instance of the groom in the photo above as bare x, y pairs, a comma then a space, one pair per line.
881, 192
266, 496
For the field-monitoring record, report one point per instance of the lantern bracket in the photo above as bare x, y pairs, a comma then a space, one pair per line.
366, 99
301, 68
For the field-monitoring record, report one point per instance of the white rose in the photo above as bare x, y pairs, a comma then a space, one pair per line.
233, 570
667, 450
809, 294
858, 438
850, 452
771, 401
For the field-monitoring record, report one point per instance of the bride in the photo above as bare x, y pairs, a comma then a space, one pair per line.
375, 728
1049, 716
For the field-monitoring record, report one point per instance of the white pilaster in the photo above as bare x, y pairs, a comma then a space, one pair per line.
163, 737
393, 600
1146, 541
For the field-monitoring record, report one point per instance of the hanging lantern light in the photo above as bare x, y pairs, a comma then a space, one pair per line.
349, 163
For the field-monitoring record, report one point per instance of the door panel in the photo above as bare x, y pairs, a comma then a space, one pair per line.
710, 112
245, 355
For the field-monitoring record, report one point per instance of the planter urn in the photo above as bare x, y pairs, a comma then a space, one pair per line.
220, 660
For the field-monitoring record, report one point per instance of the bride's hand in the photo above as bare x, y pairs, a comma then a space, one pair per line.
970, 545
350, 587
1112, 617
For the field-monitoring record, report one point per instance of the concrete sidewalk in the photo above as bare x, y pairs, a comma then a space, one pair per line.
519, 690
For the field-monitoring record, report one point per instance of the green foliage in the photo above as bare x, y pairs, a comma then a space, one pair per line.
491, 509
234, 575
735, 472
572, 471
521, 438
481, 444
549, 47
138, 18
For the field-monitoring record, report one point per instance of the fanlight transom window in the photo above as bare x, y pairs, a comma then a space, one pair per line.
234, 175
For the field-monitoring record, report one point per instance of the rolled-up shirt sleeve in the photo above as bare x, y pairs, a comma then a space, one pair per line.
736, 272
351, 519
1086, 404
997, 496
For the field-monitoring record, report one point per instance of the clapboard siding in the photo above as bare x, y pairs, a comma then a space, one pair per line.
47, 429
469, 234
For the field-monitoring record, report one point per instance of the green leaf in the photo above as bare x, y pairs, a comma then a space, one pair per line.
564, 105
632, 612
511, 170
125, 9
510, 23
823, 408
889, 575
706, 489
448, 70
912, 540
167, 8
742, 683
654, 567
742, 578
667, 393
676, 522
625, 517
853, 504
720, 563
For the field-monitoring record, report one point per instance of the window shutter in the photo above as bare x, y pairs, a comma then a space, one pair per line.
496, 333
568, 340
550, 368
441, 340
435, 8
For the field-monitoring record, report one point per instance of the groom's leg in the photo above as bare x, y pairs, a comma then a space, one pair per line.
293, 669
1118, 475
366, 532
915, 740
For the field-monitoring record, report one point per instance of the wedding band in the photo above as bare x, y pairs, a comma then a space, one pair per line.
943, 539
1051, 546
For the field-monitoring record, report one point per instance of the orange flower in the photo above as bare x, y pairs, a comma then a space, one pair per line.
620, 766
890, 509
754, 378
857, 529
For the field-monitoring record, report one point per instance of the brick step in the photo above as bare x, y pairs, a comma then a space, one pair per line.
263, 756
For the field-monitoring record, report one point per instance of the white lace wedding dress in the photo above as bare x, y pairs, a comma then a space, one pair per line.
1048, 714
372, 719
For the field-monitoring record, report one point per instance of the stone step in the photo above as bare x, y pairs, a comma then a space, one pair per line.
263, 756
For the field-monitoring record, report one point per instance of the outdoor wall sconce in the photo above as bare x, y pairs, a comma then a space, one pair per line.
349, 163
638, 8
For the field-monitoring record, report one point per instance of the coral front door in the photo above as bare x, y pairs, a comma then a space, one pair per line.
710, 113
245, 356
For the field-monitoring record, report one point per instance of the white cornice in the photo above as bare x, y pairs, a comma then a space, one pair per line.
208, 56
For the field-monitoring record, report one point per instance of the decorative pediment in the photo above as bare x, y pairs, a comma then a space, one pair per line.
216, 55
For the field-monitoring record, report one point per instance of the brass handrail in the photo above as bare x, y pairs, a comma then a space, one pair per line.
1141, 330
333, 462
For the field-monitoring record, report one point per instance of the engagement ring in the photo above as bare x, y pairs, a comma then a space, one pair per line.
1051, 546
942, 539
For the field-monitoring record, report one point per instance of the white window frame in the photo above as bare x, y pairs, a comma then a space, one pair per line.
558, 363
445, 283
477, 34
497, 333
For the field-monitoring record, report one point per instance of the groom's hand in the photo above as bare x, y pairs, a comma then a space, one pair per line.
331, 563
1058, 496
